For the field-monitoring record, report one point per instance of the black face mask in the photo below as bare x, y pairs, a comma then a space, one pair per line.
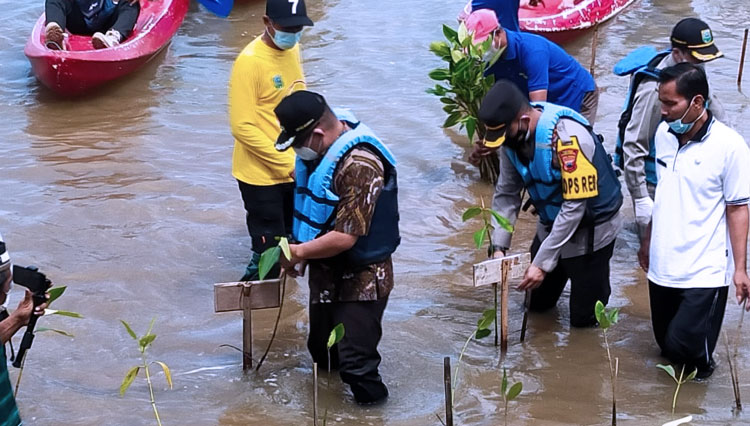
523, 147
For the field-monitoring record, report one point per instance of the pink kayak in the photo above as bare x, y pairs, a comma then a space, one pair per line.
565, 24
80, 67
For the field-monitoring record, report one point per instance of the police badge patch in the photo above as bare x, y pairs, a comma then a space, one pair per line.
568, 159
706, 36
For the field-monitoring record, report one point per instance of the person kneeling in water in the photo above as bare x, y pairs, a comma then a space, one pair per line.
90, 17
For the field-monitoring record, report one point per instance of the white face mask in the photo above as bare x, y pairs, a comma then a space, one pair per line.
493, 53
306, 153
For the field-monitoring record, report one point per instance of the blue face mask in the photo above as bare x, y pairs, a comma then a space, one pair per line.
284, 40
681, 128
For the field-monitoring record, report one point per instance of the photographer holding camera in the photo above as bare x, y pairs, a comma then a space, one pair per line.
9, 325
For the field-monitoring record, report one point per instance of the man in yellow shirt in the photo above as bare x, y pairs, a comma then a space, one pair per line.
265, 72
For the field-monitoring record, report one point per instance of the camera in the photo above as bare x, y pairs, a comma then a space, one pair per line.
31, 278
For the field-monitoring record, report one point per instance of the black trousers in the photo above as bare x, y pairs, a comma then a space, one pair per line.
589, 282
687, 323
269, 212
67, 14
356, 356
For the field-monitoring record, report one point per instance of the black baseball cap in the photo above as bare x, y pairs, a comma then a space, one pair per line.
695, 36
499, 108
298, 115
288, 13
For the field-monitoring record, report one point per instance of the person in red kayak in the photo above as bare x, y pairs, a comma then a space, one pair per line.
109, 21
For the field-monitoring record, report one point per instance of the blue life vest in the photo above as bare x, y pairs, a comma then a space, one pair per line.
641, 63
97, 13
315, 202
543, 181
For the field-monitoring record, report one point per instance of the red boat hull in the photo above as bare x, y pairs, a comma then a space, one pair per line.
563, 25
80, 67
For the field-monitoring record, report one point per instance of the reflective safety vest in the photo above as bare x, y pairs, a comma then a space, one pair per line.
97, 13
315, 202
544, 182
641, 63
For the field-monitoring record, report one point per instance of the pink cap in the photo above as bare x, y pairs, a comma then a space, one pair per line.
482, 23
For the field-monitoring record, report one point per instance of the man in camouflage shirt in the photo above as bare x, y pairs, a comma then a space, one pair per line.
346, 222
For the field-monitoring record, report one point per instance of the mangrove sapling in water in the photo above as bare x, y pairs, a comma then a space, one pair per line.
606, 319
670, 370
143, 343
482, 331
333, 338
509, 394
465, 86
267, 260
53, 293
485, 232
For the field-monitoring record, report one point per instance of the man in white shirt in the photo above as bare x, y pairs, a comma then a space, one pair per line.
697, 240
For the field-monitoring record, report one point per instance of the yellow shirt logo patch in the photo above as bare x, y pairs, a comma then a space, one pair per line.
579, 176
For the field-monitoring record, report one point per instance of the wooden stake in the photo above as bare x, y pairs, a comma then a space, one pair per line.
742, 60
593, 51
494, 291
448, 391
614, 395
247, 331
315, 394
526, 302
504, 308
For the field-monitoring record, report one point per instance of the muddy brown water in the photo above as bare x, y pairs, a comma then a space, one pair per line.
126, 196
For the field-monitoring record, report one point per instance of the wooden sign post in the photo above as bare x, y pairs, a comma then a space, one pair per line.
247, 296
501, 270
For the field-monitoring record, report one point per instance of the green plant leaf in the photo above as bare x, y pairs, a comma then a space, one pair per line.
457, 55
167, 373
63, 313
471, 212
440, 74
669, 369
479, 237
64, 333
471, 126
130, 330
486, 320
267, 259
481, 334
449, 109
601, 315
440, 48
284, 244
146, 340
463, 33
452, 120
128, 380
613, 315
55, 293
450, 33
514, 391
504, 386
336, 335
691, 376
150, 326
502, 221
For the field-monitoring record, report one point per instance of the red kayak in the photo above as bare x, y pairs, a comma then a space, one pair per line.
80, 67
565, 24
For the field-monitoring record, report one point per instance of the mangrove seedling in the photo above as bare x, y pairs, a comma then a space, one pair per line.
670, 370
606, 319
143, 343
54, 294
267, 260
482, 331
333, 338
485, 233
465, 86
509, 394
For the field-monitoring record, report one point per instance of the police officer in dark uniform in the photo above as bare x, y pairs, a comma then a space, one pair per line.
552, 152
